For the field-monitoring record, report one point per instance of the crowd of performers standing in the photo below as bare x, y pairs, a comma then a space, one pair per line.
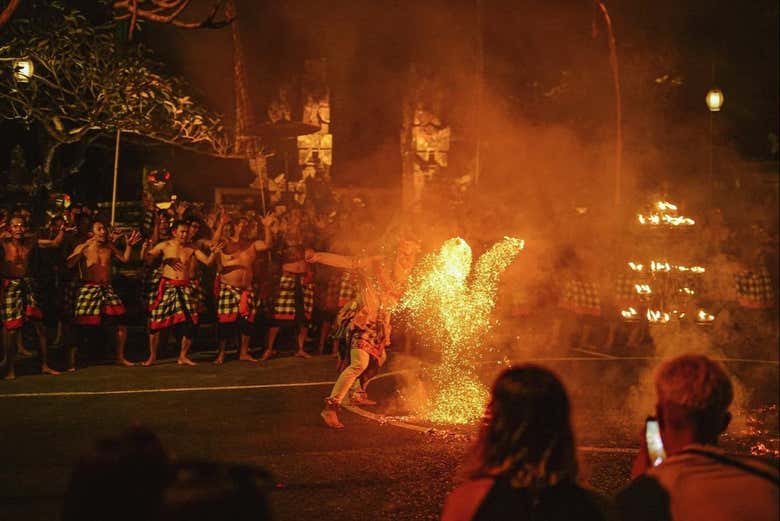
349, 296
276, 270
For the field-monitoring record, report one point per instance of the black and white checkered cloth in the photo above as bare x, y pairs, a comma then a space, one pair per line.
150, 285
95, 300
581, 297
348, 287
198, 295
173, 305
625, 288
754, 289
19, 302
234, 302
296, 294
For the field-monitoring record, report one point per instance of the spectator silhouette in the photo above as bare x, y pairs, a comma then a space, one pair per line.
121, 479
525, 463
697, 480
130, 478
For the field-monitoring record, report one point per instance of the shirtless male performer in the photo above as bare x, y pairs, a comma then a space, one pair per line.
294, 301
237, 301
96, 301
19, 303
174, 305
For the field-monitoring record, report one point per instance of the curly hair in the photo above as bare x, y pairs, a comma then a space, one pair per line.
527, 434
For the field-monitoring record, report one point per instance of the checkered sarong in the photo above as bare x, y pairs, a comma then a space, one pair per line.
198, 295
354, 331
754, 289
94, 300
581, 297
234, 302
625, 289
19, 302
173, 305
151, 284
348, 287
296, 295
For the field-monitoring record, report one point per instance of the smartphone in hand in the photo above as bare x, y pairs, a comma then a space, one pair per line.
655, 445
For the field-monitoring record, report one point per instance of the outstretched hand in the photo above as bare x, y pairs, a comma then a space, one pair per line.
223, 217
218, 247
135, 238
268, 219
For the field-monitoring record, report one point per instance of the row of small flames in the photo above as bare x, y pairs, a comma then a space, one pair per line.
664, 217
656, 316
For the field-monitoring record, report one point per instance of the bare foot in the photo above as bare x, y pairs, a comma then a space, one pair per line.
185, 361
23, 351
268, 353
302, 354
248, 358
125, 362
45, 369
10, 376
331, 419
148, 362
71, 369
219, 360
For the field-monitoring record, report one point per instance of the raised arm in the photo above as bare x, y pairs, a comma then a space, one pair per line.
267, 221
78, 253
333, 259
153, 253
208, 260
221, 221
341, 261
52, 243
131, 241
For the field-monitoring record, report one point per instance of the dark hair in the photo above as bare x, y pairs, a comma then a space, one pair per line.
208, 491
122, 478
527, 434
179, 222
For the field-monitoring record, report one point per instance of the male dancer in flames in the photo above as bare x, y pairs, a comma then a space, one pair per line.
96, 301
366, 320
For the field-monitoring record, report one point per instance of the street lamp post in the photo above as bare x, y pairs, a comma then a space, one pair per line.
714, 100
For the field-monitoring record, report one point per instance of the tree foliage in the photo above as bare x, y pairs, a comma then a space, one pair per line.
85, 80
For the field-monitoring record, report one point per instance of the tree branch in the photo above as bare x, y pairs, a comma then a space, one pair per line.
8, 11
166, 12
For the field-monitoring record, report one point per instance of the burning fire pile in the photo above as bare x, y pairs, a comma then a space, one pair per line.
665, 291
450, 306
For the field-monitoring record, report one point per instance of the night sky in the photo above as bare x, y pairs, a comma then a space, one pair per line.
532, 48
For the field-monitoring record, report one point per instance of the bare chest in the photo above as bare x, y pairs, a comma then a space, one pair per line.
16, 253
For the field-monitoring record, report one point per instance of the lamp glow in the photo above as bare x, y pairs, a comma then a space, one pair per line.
714, 100
23, 70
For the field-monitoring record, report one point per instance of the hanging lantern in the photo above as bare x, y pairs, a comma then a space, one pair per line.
23, 70
714, 100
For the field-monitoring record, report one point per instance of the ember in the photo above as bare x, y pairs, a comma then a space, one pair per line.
452, 306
